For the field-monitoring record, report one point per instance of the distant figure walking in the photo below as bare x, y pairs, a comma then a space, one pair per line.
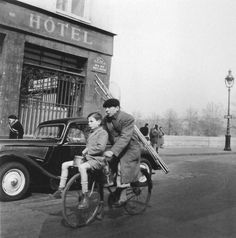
161, 138
145, 130
16, 129
154, 136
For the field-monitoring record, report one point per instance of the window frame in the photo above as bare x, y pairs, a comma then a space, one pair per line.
68, 11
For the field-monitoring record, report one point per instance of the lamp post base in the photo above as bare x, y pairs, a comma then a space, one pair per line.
227, 143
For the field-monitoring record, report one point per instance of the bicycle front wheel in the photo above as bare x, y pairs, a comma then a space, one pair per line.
72, 195
138, 194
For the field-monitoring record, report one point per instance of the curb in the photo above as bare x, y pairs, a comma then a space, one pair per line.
197, 154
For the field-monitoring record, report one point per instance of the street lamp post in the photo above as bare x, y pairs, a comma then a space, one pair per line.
229, 81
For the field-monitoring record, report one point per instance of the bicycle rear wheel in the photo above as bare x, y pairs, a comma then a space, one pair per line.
71, 197
138, 195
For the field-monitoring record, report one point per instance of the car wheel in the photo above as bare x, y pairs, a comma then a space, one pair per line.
14, 178
145, 164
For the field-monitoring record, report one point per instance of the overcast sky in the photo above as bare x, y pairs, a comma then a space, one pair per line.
173, 53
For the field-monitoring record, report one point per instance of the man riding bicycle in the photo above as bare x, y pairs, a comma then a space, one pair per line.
125, 150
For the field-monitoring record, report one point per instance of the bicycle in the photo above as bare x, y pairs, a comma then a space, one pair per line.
138, 196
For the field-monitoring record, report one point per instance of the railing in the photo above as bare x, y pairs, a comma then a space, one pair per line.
48, 94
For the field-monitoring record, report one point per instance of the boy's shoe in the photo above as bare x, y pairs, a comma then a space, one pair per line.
99, 216
57, 194
84, 203
100, 213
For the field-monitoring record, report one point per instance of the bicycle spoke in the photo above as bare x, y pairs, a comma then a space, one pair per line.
138, 197
74, 216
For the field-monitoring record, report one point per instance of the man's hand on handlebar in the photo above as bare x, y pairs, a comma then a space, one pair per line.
109, 155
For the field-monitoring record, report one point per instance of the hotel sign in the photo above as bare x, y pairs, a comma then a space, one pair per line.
37, 23
50, 26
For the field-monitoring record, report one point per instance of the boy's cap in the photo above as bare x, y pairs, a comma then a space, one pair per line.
112, 102
12, 117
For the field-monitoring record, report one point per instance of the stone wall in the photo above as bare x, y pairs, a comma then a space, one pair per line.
197, 141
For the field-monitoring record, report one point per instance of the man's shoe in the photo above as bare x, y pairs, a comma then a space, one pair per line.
116, 194
84, 202
122, 198
119, 203
57, 194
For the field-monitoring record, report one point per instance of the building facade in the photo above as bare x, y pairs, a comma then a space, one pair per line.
48, 62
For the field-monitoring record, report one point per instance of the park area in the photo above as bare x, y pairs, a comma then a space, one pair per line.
197, 142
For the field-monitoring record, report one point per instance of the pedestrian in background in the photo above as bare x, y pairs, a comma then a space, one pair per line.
154, 136
145, 131
15, 127
161, 137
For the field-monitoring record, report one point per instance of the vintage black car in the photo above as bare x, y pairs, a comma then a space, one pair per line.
36, 162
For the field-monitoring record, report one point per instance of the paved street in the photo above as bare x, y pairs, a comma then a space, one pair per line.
196, 199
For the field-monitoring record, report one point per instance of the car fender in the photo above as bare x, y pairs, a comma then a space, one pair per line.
155, 165
24, 159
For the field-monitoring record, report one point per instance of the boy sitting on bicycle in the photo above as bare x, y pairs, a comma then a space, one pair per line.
92, 157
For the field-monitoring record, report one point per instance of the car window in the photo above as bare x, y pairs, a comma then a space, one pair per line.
49, 131
75, 134
85, 128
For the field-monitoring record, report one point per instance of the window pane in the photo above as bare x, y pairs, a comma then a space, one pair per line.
54, 131
62, 5
75, 134
78, 7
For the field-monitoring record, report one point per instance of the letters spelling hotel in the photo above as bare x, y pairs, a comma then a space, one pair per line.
48, 59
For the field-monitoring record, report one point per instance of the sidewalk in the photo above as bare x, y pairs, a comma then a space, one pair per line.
194, 151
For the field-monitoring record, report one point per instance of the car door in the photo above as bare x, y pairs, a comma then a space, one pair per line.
75, 140
73, 144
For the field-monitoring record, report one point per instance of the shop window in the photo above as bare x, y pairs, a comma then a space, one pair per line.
74, 8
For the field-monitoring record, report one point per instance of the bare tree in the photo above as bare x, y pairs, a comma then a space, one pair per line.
233, 121
153, 119
172, 123
190, 122
138, 118
211, 122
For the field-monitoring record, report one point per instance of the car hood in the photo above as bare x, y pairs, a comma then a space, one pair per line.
30, 147
28, 142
